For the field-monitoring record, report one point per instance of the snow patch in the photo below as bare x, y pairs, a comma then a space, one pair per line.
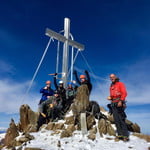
2, 135
70, 113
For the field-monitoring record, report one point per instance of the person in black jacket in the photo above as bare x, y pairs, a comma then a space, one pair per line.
84, 80
61, 90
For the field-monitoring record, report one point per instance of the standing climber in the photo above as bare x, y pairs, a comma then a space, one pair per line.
84, 79
83, 92
61, 90
117, 97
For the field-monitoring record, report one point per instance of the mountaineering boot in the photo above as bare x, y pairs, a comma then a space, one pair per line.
118, 138
43, 115
125, 139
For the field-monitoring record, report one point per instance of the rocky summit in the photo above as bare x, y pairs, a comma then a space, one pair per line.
20, 136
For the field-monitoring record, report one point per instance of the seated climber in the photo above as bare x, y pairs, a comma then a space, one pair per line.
51, 109
70, 94
46, 91
84, 80
61, 90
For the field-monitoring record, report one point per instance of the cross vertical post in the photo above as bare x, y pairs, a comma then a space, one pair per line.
67, 42
65, 51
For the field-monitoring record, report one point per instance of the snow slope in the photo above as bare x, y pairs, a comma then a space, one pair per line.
45, 140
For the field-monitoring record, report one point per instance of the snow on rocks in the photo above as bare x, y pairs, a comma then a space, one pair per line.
44, 140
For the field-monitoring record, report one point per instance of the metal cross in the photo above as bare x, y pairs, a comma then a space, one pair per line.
67, 42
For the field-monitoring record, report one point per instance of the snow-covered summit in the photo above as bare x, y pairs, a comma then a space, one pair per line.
48, 141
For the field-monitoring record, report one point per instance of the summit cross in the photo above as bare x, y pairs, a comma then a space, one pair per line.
67, 42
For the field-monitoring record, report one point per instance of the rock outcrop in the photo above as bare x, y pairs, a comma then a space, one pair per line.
81, 101
11, 138
28, 119
105, 127
90, 121
142, 136
69, 120
65, 133
2, 143
92, 136
58, 126
50, 126
133, 127
11, 134
25, 137
92, 133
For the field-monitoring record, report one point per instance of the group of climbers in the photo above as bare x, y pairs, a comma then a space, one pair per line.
55, 103
58, 102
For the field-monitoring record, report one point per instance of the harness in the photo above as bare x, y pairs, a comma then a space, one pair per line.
115, 100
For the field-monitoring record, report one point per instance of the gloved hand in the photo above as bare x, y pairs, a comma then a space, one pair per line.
119, 104
55, 74
86, 71
74, 72
51, 105
109, 98
45, 88
74, 81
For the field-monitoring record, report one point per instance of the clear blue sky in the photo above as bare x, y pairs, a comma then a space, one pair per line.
116, 36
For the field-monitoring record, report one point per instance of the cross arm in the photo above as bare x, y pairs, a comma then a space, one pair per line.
55, 35
61, 38
76, 44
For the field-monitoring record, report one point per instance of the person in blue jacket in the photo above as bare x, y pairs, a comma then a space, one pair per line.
46, 91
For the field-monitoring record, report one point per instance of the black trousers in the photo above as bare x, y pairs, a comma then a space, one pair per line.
119, 118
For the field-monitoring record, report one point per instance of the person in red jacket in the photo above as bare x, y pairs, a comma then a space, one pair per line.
117, 96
